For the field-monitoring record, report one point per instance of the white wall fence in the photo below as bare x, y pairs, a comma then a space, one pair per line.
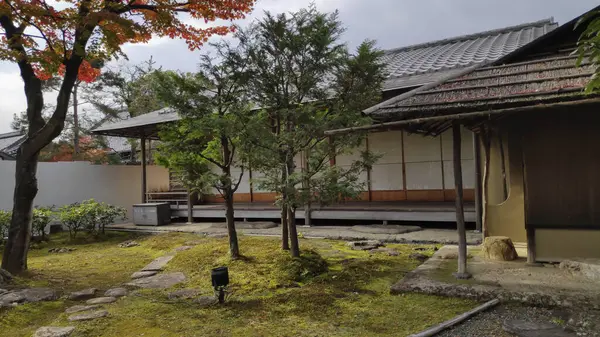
68, 182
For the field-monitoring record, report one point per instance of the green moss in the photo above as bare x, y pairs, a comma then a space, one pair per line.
330, 290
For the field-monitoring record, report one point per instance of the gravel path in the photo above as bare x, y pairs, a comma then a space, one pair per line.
489, 323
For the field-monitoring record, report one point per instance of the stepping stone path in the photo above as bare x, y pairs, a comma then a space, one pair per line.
148, 277
140, 274
529, 329
54, 331
159, 263
80, 308
418, 257
101, 300
116, 292
88, 316
61, 250
160, 281
83, 294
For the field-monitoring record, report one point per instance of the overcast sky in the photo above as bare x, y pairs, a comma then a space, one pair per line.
392, 23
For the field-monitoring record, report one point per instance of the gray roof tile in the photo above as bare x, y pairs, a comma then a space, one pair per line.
428, 62
10, 142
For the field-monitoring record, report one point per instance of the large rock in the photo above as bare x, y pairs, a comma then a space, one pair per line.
529, 329
101, 300
141, 274
88, 316
158, 264
54, 331
499, 248
590, 270
160, 281
83, 294
206, 301
39, 294
7, 299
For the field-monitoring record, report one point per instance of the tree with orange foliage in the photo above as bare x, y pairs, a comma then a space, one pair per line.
72, 38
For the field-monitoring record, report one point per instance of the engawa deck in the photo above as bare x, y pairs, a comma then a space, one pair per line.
368, 211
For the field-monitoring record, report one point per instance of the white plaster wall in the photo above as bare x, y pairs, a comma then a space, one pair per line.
466, 154
345, 160
68, 182
423, 157
386, 173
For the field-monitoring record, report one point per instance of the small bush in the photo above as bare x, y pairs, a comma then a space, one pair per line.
309, 265
5, 217
90, 216
42, 216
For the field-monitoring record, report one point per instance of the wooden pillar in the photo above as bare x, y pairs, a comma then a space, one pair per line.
460, 213
331, 151
403, 166
369, 175
478, 183
144, 180
531, 258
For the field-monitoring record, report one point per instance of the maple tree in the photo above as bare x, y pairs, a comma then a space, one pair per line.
72, 38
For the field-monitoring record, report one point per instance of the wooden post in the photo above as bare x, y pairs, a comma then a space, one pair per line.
478, 181
143, 150
370, 194
403, 166
331, 151
251, 184
531, 258
460, 214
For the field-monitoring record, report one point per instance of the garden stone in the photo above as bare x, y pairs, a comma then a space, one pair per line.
61, 250
38, 294
83, 294
141, 274
88, 316
365, 244
184, 294
418, 256
499, 248
54, 331
128, 244
183, 248
158, 264
206, 301
160, 281
116, 292
101, 300
388, 251
3, 291
528, 329
5, 276
385, 229
80, 308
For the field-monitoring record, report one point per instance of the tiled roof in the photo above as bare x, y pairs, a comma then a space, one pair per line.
10, 142
132, 126
536, 81
429, 62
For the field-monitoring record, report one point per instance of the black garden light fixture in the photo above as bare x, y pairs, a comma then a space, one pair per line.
220, 280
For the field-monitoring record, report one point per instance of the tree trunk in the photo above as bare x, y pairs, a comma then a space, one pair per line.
190, 207
291, 219
307, 188
285, 237
76, 149
460, 214
14, 259
234, 249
